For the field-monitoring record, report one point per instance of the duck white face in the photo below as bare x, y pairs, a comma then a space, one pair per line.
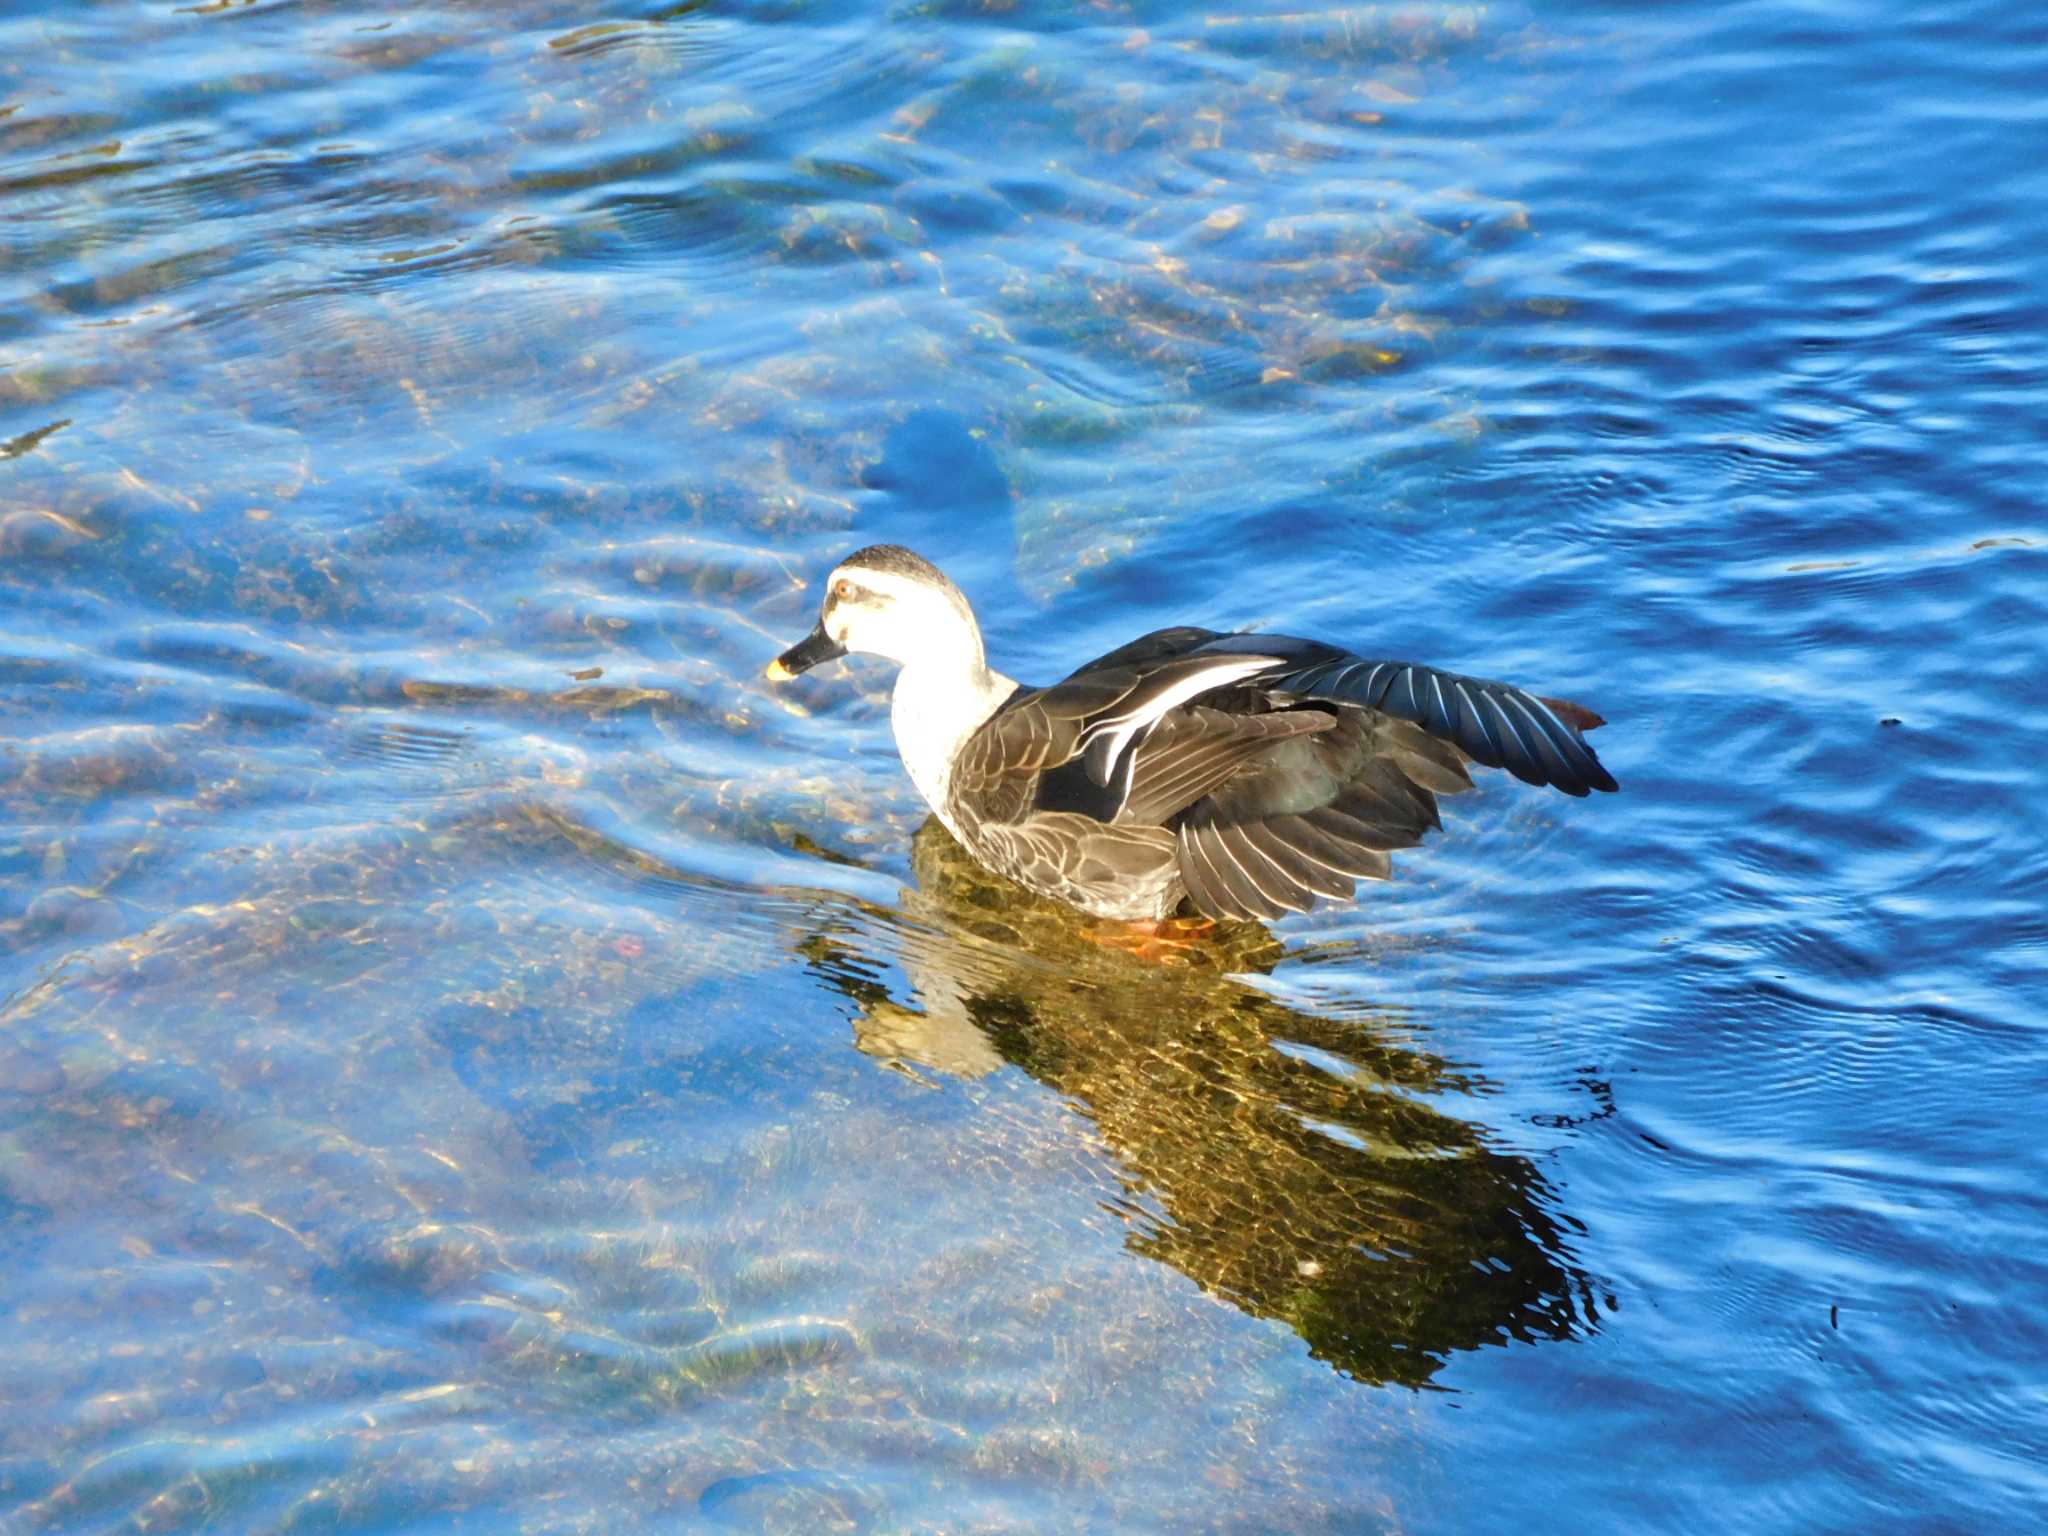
886, 601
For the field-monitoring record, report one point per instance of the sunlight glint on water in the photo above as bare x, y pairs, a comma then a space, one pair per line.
470, 1052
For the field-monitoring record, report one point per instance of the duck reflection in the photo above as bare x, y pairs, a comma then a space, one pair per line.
1288, 1163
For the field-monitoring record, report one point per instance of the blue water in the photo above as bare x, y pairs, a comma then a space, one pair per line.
474, 1056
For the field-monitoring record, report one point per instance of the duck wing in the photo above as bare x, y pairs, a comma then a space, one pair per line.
1284, 770
1536, 739
1122, 739
1307, 818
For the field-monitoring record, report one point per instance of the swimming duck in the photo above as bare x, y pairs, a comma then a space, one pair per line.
1245, 775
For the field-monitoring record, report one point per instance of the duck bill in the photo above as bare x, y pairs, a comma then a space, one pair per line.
807, 653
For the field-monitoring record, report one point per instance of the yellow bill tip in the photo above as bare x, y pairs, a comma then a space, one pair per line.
776, 672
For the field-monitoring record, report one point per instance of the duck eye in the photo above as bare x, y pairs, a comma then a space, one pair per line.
842, 590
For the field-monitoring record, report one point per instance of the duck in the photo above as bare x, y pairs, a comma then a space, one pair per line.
1191, 775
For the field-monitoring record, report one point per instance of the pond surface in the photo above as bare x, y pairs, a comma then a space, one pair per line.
474, 1056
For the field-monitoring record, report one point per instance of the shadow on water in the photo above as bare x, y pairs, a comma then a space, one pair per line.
1291, 1162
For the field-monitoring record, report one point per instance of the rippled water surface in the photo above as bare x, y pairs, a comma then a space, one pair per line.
472, 1055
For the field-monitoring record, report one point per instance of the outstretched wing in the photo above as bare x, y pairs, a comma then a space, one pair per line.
1281, 770
1306, 819
1537, 740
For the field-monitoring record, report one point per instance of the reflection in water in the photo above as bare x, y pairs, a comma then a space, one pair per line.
1283, 1159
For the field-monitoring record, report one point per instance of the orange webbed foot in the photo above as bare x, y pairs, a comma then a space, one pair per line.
1165, 941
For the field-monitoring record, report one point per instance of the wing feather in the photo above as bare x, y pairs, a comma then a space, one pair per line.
1515, 755
1110, 732
1495, 723
1312, 840
1202, 886
1471, 730
1555, 769
1362, 826
1199, 870
1322, 831
1264, 871
1236, 881
1426, 760
1274, 843
1196, 750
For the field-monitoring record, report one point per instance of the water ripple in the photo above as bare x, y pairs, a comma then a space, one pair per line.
469, 1045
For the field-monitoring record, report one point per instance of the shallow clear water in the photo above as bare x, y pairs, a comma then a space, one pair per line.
472, 1055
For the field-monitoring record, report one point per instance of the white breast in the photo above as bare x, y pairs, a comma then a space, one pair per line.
934, 710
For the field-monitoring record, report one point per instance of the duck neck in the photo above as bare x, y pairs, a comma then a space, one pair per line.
940, 701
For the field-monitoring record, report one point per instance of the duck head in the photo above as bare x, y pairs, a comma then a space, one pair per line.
886, 601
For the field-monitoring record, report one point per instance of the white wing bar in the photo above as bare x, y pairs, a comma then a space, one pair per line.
1109, 734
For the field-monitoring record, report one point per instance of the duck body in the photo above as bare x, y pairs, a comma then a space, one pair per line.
1242, 775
